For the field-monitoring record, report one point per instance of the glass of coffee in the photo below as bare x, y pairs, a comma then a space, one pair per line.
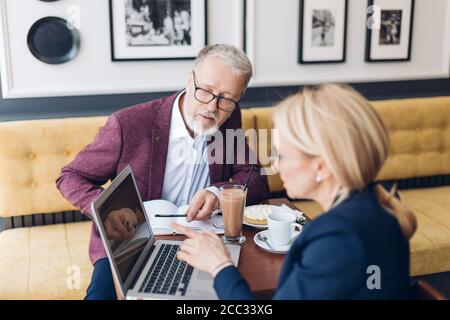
232, 199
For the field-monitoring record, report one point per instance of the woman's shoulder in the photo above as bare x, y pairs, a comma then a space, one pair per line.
329, 226
357, 217
331, 236
362, 208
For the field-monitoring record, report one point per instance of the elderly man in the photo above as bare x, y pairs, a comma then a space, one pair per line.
149, 137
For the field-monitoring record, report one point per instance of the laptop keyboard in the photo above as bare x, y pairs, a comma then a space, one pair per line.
167, 274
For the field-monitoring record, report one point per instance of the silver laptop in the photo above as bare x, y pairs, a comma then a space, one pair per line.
144, 267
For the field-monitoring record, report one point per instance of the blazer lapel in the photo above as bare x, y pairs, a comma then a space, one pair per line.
215, 172
215, 169
160, 145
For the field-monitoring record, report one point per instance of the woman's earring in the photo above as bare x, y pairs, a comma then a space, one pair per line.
318, 178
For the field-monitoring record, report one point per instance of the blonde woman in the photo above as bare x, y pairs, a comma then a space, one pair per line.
332, 145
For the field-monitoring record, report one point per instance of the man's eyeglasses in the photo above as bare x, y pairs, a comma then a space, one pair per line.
205, 96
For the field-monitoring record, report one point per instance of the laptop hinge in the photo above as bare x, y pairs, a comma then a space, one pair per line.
138, 273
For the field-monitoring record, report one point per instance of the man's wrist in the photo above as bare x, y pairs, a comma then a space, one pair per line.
214, 190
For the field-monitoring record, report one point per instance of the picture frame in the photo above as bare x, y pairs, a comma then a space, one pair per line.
322, 31
389, 30
157, 30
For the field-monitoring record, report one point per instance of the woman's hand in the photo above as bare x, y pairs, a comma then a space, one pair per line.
203, 250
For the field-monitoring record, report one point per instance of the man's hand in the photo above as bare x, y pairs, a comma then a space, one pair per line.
121, 224
202, 205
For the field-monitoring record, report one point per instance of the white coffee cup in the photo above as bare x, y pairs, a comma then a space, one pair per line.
282, 226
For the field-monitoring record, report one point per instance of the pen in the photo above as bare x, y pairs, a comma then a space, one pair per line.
169, 215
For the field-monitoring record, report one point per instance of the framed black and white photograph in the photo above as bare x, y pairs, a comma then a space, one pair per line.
157, 29
322, 32
389, 30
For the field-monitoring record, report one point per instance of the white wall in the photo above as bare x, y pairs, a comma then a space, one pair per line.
272, 44
275, 48
92, 71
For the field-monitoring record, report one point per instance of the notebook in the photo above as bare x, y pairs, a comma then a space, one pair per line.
161, 225
122, 250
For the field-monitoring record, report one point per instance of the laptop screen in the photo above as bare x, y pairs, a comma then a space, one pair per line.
125, 226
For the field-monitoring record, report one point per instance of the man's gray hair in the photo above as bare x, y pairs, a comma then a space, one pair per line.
232, 57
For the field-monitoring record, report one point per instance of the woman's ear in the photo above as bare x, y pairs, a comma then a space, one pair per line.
322, 169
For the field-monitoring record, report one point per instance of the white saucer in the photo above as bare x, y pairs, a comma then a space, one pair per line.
275, 248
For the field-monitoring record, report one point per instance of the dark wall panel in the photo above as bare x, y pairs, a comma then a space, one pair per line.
58, 107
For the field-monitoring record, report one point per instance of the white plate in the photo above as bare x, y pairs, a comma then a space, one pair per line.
273, 208
275, 248
257, 226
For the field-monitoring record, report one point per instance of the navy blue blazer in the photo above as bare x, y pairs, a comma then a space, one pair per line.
333, 257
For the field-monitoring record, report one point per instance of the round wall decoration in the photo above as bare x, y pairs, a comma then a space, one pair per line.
53, 40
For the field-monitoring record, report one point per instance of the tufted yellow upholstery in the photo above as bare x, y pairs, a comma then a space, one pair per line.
33, 152
248, 119
264, 124
38, 262
419, 130
32, 155
430, 245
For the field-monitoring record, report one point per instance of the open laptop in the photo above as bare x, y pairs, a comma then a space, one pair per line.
144, 267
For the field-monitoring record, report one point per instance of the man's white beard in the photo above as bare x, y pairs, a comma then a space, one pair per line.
197, 128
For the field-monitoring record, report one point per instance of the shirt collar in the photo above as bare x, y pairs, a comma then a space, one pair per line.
178, 128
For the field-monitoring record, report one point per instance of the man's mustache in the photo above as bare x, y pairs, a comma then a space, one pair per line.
208, 115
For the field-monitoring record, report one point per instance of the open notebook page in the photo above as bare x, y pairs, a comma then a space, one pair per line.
161, 225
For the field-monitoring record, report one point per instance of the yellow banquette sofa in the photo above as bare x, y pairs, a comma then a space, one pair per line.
44, 251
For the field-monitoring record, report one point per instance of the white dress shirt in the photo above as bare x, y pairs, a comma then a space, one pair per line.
187, 168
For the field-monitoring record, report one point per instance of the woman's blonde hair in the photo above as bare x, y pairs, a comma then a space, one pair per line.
335, 122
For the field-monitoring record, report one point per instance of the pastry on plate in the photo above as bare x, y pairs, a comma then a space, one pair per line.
257, 214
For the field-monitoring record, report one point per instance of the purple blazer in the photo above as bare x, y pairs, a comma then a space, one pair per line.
139, 136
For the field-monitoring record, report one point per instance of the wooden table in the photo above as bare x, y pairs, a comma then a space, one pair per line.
260, 268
